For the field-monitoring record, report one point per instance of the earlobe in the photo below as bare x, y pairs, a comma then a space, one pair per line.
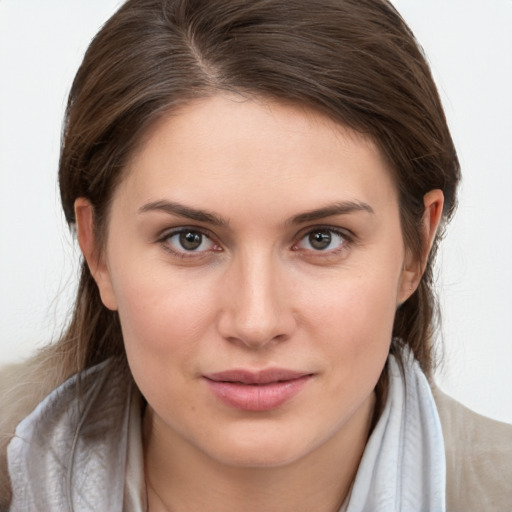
413, 269
84, 215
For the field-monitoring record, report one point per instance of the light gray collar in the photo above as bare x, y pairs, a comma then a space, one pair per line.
72, 451
403, 466
83, 452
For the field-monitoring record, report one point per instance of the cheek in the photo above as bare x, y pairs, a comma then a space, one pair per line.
365, 303
162, 314
353, 323
164, 322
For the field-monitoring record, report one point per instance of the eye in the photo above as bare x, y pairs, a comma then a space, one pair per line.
322, 239
188, 240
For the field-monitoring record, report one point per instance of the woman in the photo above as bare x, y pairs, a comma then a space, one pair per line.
258, 189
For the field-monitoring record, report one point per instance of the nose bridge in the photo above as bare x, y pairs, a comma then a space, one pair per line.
258, 310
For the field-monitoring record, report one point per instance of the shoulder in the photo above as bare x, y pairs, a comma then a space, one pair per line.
478, 458
89, 412
22, 387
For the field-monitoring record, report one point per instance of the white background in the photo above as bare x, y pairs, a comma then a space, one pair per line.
469, 46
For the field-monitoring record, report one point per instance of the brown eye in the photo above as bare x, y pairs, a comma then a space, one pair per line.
190, 240
320, 240
323, 240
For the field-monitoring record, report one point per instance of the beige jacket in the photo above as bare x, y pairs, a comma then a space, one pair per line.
478, 459
478, 450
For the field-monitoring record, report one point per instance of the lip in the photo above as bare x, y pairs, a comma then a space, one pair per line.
256, 391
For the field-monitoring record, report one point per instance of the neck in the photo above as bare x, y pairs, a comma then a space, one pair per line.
181, 478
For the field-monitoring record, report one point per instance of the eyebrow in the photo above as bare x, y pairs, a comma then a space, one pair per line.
341, 208
181, 210
173, 208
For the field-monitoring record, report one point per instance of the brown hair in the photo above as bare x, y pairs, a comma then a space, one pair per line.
354, 60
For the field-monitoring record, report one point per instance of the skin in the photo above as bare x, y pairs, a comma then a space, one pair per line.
255, 294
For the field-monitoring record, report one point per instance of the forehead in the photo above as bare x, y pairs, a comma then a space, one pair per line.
260, 150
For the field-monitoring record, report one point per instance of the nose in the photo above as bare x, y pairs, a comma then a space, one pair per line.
257, 308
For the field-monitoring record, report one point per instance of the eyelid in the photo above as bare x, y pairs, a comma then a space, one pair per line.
164, 236
169, 231
348, 236
346, 233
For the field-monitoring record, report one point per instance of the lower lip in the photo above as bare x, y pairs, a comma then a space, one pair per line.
257, 397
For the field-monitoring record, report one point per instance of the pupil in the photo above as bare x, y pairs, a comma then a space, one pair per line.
320, 239
190, 240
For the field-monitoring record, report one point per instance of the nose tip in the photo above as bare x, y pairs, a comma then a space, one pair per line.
256, 322
258, 310
256, 336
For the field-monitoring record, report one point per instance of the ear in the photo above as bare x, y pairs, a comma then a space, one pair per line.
84, 215
412, 272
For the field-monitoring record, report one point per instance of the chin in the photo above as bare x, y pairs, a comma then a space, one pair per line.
261, 448
259, 457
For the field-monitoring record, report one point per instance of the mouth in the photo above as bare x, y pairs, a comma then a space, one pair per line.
256, 391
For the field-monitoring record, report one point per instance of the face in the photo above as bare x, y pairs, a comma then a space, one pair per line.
255, 256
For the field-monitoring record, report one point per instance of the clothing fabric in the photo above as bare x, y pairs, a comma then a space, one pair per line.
84, 452
478, 458
403, 465
70, 453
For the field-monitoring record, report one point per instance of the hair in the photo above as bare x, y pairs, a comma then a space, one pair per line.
355, 61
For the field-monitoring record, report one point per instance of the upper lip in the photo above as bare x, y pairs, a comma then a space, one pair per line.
256, 377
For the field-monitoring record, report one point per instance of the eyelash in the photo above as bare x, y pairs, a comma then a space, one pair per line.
164, 241
346, 236
347, 239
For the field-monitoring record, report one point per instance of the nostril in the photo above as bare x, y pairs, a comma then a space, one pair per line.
255, 309
258, 341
